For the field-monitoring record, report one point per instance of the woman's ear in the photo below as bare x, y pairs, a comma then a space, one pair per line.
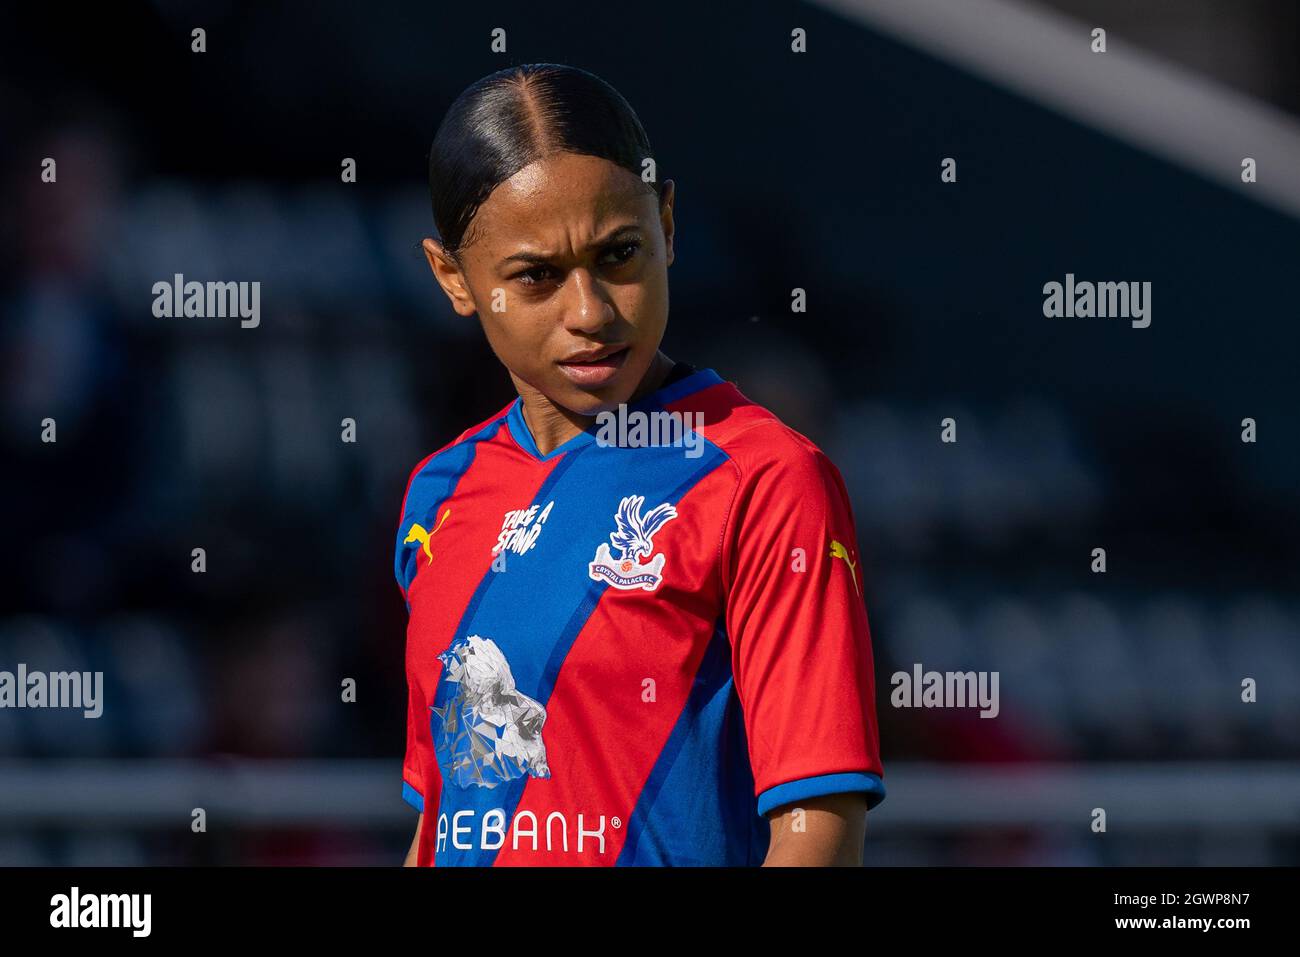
666, 216
450, 277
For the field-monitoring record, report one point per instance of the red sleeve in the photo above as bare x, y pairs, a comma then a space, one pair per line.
413, 789
801, 647
413, 784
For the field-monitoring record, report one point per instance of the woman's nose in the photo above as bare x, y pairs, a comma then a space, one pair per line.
587, 309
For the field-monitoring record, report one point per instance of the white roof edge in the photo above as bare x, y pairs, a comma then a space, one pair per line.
1131, 94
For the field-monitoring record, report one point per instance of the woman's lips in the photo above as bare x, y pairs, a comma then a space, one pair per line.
597, 372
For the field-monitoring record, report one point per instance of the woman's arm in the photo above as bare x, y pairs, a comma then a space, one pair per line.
818, 832
415, 844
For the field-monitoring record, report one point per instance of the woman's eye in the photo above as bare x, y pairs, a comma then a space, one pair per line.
531, 277
539, 274
625, 252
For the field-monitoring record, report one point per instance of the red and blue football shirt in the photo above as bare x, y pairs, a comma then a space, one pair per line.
630, 649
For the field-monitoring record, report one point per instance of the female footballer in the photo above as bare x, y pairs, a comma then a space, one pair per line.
636, 629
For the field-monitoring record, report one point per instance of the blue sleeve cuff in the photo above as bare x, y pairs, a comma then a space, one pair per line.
823, 784
413, 797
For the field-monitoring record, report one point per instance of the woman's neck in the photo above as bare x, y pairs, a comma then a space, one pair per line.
552, 425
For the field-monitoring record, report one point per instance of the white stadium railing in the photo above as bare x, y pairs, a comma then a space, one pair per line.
926, 797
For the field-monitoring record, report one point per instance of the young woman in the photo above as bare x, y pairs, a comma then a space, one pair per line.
636, 630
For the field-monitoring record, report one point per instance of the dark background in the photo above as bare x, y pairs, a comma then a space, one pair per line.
817, 171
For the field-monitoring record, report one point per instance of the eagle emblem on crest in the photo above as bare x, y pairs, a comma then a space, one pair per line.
633, 538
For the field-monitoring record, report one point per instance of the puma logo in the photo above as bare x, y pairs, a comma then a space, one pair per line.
418, 534
839, 551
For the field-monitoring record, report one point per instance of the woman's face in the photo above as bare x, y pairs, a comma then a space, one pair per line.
566, 265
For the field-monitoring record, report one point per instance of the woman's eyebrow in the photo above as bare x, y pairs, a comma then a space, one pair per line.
543, 258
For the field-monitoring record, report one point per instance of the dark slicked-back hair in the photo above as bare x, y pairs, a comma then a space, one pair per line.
517, 116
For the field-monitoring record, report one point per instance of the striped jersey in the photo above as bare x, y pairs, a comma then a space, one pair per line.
628, 650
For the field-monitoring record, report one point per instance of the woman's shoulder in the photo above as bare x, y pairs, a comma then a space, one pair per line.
755, 438
780, 477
